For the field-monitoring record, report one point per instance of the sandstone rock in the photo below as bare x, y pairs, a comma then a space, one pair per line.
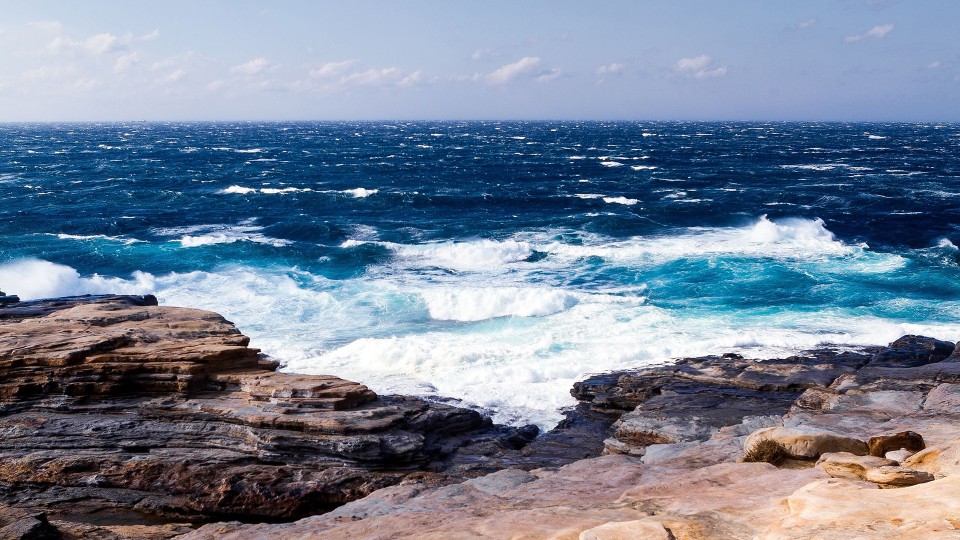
807, 443
627, 530
908, 440
944, 398
836, 509
898, 455
154, 416
847, 465
912, 351
937, 460
872, 469
896, 476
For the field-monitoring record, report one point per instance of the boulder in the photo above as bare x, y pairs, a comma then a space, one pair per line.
807, 443
908, 440
874, 469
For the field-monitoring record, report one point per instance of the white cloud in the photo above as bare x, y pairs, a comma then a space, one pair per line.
172, 77
125, 61
151, 36
253, 67
549, 75
85, 85
802, 25
610, 69
412, 79
331, 69
50, 27
699, 67
877, 32
934, 65
509, 72
49, 72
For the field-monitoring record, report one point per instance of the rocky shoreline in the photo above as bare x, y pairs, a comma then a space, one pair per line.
123, 419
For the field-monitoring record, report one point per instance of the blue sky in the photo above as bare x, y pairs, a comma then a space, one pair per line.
418, 59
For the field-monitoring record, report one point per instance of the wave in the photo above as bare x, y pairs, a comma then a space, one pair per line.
241, 190
474, 255
87, 237
206, 235
36, 278
477, 304
360, 192
620, 200
524, 347
611, 164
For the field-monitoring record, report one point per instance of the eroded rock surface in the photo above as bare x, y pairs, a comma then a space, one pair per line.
674, 469
123, 419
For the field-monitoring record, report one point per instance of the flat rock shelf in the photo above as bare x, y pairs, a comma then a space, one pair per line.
121, 419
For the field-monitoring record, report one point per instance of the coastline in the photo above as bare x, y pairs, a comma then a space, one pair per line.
161, 419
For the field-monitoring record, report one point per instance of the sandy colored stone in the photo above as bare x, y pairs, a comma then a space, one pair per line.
847, 465
627, 530
807, 443
838, 509
937, 460
882, 444
896, 476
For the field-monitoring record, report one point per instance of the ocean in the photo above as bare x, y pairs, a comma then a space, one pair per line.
493, 264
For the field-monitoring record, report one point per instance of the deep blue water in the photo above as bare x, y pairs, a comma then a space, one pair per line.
497, 262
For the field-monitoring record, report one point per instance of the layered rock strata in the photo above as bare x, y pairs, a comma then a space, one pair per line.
676, 464
120, 418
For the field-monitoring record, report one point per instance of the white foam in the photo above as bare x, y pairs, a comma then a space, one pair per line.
475, 255
239, 190
611, 164
516, 350
206, 235
946, 243
620, 200
477, 304
33, 278
643, 167
360, 192
249, 151
88, 237
587, 195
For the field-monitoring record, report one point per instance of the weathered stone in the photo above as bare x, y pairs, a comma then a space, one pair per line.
937, 460
898, 455
165, 412
908, 440
807, 443
627, 530
838, 508
847, 465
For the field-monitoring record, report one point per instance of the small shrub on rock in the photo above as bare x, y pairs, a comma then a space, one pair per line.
766, 451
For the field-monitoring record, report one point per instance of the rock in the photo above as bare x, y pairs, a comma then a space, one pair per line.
895, 476
685, 422
837, 508
939, 461
944, 398
874, 469
159, 416
912, 351
908, 440
898, 455
627, 530
30, 527
847, 465
807, 443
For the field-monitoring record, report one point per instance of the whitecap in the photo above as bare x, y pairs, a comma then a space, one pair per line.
207, 235
477, 304
359, 193
611, 164
643, 167
620, 200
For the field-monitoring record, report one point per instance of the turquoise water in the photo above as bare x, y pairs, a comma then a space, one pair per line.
497, 263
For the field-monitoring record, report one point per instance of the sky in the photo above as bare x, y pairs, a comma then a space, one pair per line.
846, 60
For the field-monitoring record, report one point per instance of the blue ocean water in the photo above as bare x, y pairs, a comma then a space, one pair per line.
497, 262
